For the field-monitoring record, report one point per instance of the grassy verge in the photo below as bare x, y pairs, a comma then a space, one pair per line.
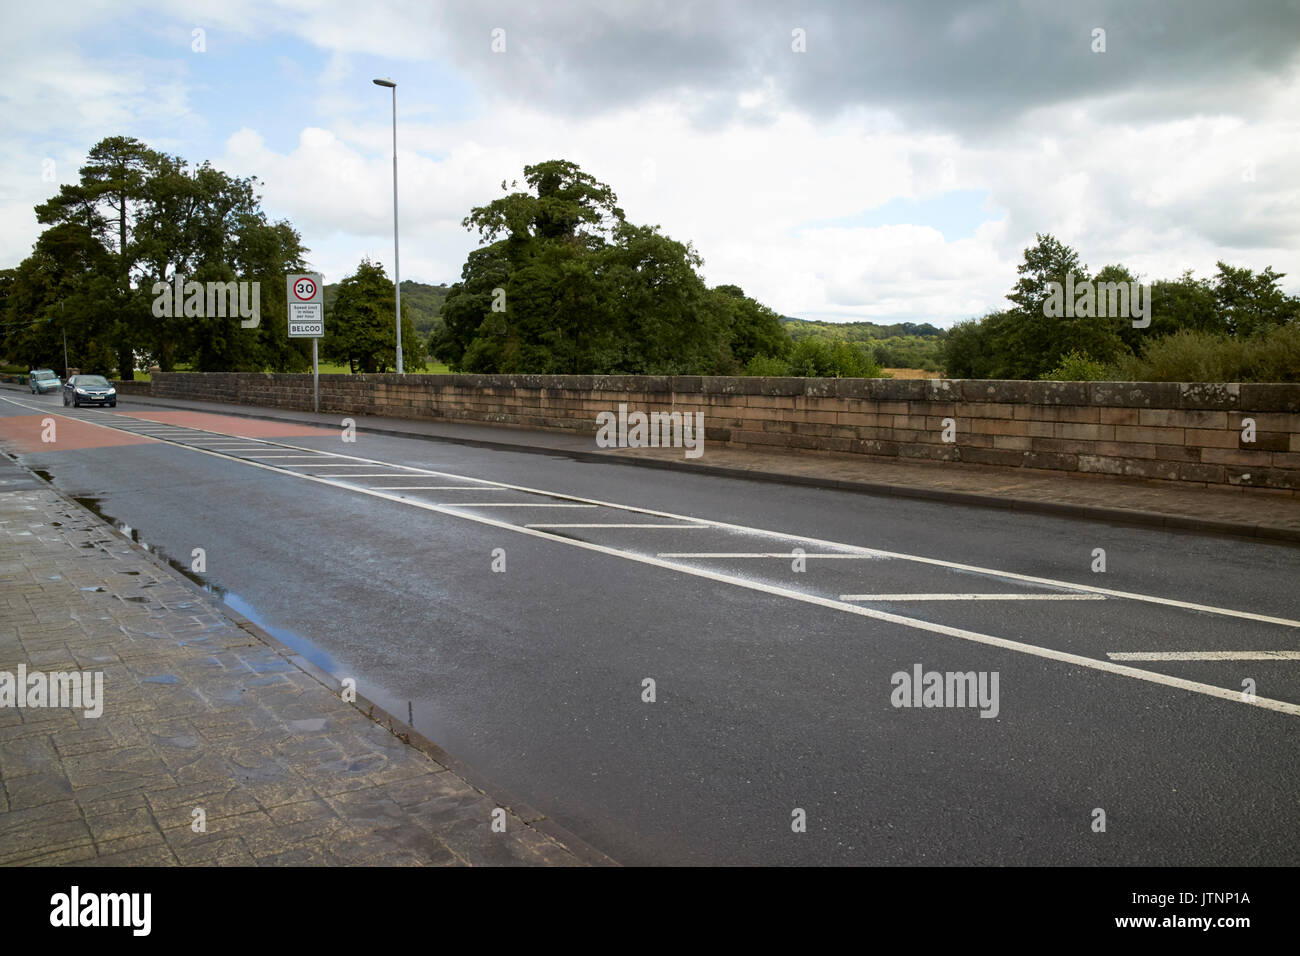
435, 368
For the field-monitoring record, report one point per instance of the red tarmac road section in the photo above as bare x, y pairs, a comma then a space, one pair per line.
231, 425
33, 433
54, 432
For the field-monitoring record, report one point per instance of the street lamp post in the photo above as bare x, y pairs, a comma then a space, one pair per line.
397, 268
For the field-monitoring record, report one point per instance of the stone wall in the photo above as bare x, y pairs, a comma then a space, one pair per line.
1183, 432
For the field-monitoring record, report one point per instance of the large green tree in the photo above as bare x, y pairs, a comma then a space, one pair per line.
359, 327
108, 201
565, 284
135, 217
1252, 303
1025, 341
752, 328
208, 226
61, 290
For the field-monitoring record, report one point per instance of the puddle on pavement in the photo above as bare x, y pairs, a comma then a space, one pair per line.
317, 655
134, 534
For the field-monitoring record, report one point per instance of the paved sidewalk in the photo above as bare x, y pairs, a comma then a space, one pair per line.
1252, 512
201, 712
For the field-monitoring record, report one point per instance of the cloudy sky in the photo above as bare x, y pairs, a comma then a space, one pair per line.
856, 160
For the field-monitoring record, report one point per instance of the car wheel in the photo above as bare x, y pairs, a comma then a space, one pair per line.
112, 404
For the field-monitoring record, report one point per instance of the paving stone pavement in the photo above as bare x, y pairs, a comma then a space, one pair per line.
200, 713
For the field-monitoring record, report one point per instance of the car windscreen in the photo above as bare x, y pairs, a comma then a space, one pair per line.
45, 376
98, 380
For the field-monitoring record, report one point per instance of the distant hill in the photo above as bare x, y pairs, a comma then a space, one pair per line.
420, 300
903, 345
858, 331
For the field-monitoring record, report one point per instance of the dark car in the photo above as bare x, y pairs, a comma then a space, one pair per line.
89, 390
42, 380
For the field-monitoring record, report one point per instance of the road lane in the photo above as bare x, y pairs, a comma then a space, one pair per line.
684, 617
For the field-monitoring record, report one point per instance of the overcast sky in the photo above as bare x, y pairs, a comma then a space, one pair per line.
893, 170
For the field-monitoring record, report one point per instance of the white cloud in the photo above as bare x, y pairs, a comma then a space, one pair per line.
1120, 176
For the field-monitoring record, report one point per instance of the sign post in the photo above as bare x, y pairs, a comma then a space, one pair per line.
306, 298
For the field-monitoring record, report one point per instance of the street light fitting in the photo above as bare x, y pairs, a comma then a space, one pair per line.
384, 82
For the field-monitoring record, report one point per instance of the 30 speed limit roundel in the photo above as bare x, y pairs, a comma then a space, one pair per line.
306, 310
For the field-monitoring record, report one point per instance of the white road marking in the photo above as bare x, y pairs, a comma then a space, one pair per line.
606, 525
822, 543
508, 504
1106, 666
819, 542
972, 597
424, 487
1204, 655
759, 554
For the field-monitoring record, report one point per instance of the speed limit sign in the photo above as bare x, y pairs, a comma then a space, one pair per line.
306, 305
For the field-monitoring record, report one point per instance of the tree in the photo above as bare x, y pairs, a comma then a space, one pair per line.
566, 285
469, 305
359, 331
752, 328
1177, 304
63, 286
976, 348
569, 206
136, 217
1026, 342
107, 203
1251, 303
655, 304
208, 226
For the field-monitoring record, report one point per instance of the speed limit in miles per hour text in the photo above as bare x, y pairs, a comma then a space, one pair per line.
306, 305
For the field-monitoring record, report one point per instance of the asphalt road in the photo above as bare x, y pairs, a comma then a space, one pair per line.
774, 687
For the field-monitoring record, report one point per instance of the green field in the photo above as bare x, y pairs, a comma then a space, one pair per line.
435, 368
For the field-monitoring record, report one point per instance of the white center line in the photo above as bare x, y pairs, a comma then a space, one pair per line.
506, 504
616, 526
1204, 655
760, 554
971, 597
